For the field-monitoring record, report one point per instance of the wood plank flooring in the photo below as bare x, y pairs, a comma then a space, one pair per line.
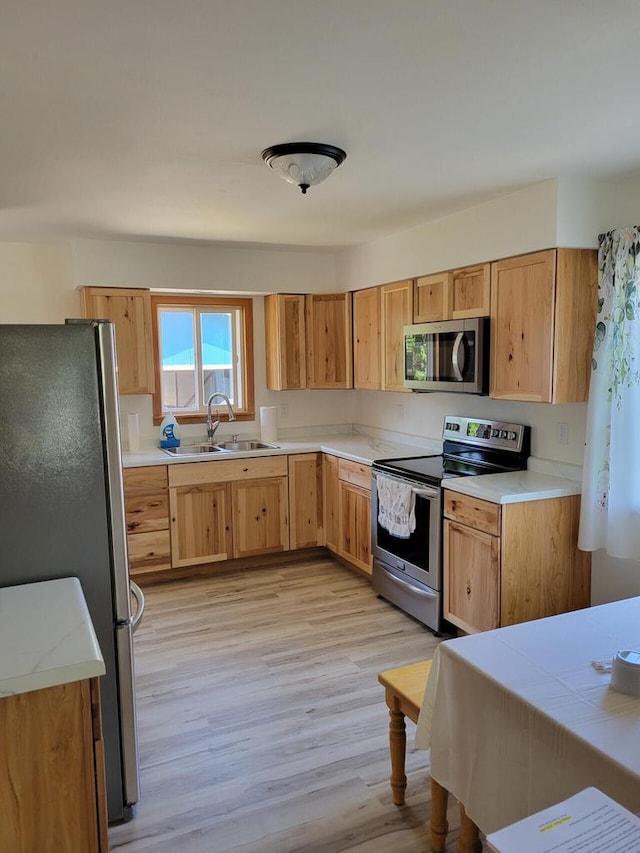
262, 726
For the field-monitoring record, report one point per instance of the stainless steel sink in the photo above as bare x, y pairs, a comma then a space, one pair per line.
193, 449
245, 445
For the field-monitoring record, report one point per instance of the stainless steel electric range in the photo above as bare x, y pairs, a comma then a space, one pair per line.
407, 570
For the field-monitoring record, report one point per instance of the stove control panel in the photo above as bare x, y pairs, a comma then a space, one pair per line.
484, 433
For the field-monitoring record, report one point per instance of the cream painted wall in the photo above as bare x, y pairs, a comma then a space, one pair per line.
193, 266
35, 283
511, 225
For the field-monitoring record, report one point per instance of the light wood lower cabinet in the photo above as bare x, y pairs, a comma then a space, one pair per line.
348, 511
228, 508
510, 563
305, 500
147, 518
52, 783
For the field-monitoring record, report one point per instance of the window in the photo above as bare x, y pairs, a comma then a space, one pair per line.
203, 344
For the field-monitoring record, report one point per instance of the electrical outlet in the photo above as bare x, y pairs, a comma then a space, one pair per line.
562, 433
284, 410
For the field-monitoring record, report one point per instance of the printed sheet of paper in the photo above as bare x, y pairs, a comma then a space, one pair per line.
589, 822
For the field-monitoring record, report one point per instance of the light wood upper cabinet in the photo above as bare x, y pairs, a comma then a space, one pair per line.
499, 570
130, 312
52, 784
453, 295
285, 342
329, 335
366, 339
543, 309
432, 297
305, 500
396, 312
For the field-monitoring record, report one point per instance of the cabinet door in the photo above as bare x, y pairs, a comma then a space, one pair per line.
366, 339
260, 517
355, 525
432, 297
48, 772
471, 578
200, 523
305, 500
130, 312
522, 327
285, 342
331, 499
471, 292
329, 335
396, 312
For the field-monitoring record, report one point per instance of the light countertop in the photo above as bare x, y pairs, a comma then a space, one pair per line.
46, 637
358, 448
513, 487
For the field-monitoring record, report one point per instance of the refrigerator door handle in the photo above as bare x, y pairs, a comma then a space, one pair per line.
127, 704
138, 594
109, 379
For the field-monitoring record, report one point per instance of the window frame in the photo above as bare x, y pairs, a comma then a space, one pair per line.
247, 413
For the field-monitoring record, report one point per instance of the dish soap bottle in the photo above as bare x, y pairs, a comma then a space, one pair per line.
169, 431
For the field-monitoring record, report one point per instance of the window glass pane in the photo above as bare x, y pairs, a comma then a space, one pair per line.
217, 354
178, 359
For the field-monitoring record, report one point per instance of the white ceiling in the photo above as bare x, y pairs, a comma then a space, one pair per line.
146, 118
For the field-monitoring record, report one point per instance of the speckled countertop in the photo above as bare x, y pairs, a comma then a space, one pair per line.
514, 487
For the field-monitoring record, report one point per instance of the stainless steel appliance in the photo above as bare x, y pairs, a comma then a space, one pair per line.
62, 506
408, 571
448, 356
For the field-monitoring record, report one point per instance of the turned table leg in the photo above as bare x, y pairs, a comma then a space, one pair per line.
397, 749
469, 838
438, 826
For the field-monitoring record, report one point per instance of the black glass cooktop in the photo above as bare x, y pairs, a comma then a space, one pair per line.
434, 469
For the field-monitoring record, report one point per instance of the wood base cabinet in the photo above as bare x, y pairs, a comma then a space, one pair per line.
147, 517
348, 511
305, 500
52, 782
510, 563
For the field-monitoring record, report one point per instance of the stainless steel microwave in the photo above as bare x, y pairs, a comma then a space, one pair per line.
448, 356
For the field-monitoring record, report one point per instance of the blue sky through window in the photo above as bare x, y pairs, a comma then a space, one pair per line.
177, 335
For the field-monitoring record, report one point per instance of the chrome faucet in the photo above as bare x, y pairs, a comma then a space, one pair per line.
211, 426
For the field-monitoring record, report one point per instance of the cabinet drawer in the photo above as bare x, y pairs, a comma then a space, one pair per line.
479, 514
356, 473
149, 479
224, 470
147, 512
149, 550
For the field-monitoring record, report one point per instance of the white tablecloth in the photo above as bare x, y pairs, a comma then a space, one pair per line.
517, 719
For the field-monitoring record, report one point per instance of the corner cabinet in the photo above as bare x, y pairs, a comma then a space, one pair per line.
543, 309
130, 312
347, 506
305, 500
500, 569
396, 311
52, 777
328, 328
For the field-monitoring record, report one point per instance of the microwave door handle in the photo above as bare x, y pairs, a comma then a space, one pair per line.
458, 348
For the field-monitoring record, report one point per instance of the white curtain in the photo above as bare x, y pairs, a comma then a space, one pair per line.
610, 514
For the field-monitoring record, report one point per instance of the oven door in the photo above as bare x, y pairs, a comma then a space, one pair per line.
418, 556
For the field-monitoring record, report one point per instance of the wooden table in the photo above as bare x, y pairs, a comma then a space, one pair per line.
518, 719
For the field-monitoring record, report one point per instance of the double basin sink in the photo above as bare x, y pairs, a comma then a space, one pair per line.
220, 447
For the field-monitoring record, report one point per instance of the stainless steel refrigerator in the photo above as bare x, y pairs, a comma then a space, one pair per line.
62, 504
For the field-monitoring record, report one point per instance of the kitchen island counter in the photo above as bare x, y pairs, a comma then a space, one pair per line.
46, 637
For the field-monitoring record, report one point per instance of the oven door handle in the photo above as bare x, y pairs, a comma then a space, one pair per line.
414, 589
424, 493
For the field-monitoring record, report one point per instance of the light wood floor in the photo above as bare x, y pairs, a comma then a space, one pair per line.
262, 726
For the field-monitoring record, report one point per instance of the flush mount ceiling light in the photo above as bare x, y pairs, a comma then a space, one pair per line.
303, 163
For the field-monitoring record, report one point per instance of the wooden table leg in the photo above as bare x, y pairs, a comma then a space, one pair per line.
439, 825
397, 749
469, 838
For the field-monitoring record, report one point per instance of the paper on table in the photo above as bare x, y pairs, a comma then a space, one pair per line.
589, 822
